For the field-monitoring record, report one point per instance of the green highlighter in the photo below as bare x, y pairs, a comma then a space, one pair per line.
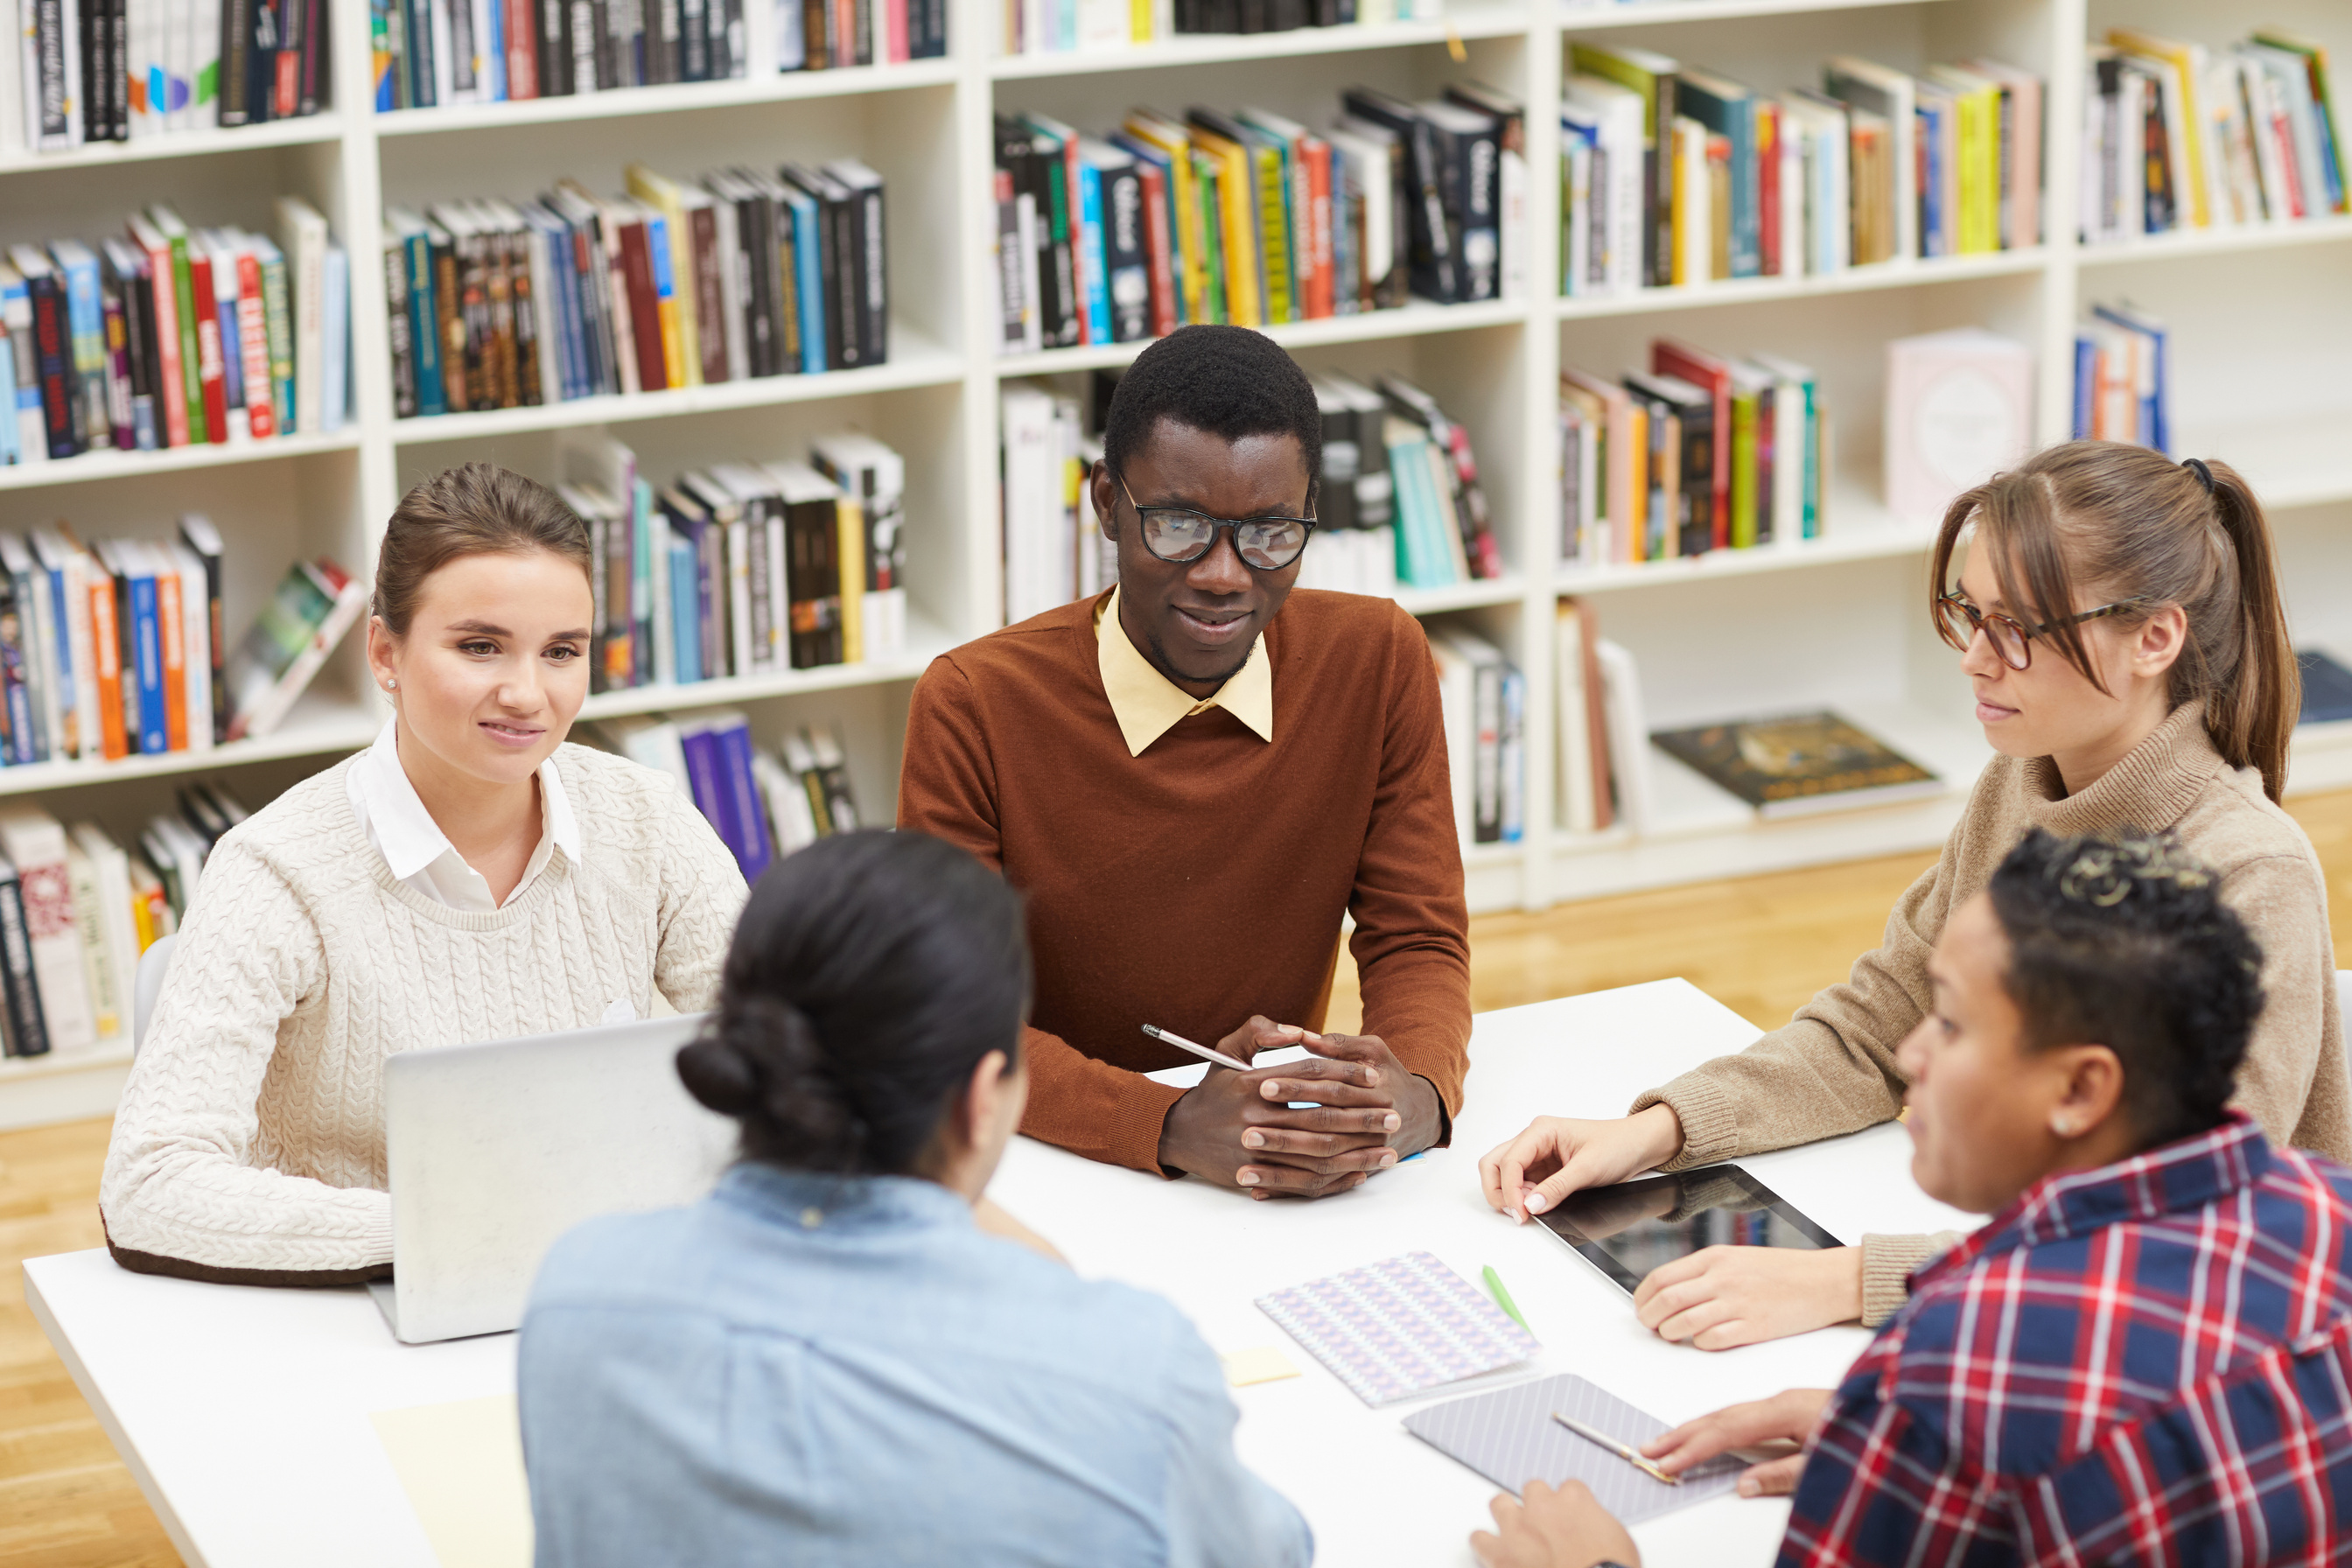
1503, 1298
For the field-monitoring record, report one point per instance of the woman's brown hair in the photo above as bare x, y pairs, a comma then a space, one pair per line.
474, 509
2129, 523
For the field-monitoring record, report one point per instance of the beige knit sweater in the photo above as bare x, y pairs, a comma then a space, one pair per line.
249, 1140
1832, 1069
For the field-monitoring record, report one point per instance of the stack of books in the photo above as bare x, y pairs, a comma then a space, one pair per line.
2176, 137
116, 650
1484, 697
173, 336
86, 71
1700, 452
1254, 220
1401, 504
76, 911
1671, 174
1059, 26
762, 803
495, 305
741, 569
2123, 378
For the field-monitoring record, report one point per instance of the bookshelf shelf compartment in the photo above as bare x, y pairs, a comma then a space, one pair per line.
95, 466
925, 642
1853, 279
1472, 595
2219, 242
921, 364
1213, 49
1412, 319
316, 726
105, 1054
301, 131
1601, 16
1862, 545
678, 97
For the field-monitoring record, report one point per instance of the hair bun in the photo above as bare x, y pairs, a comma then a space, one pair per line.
715, 1073
763, 1058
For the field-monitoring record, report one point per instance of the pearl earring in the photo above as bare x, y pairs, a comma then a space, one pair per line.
391, 686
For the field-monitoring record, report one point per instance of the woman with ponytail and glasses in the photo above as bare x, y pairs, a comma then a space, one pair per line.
844, 1356
2119, 617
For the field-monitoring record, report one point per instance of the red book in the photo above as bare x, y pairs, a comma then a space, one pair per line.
170, 403
1767, 185
1316, 153
645, 319
1668, 357
894, 30
210, 369
253, 349
522, 50
1159, 257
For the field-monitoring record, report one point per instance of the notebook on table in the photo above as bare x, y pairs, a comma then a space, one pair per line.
1509, 1438
1400, 1327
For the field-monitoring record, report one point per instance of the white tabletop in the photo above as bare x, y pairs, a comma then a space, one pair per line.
243, 1413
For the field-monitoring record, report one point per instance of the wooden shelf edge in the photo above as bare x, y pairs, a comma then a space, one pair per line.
1413, 319
297, 133
1599, 15
670, 98
1218, 48
1758, 290
91, 467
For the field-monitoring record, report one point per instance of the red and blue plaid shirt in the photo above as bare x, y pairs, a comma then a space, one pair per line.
2148, 1364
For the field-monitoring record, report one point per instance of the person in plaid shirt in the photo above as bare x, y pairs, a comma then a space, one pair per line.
2145, 1357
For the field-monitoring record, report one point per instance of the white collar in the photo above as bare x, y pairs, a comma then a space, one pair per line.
405, 832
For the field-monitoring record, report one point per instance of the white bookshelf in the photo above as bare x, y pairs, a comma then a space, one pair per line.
2262, 335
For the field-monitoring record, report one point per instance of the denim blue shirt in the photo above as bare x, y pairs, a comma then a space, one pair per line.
822, 1370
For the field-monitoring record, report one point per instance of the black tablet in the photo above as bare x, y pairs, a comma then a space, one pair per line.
1630, 1228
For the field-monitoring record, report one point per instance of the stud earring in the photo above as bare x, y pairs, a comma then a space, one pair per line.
2064, 1129
391, 686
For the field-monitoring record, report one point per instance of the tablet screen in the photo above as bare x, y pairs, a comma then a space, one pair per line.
1630, 1228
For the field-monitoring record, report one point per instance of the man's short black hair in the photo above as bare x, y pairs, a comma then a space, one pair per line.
2124, 942
1229, 382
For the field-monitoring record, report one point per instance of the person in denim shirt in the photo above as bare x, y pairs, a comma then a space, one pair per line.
846, 1355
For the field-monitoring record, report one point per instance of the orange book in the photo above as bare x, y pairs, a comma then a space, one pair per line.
173, 633
105, 643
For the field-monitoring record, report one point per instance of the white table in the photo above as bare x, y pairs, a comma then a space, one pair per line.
243, 1412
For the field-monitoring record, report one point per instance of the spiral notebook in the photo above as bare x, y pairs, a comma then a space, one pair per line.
1400, 1327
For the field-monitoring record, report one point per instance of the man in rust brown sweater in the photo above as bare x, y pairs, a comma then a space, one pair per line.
1194, 778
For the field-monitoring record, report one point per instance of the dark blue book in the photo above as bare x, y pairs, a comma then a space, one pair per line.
2326, 688
752, 842
703, 775
147, 650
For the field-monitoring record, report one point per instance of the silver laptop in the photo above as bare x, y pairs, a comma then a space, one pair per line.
495, 1150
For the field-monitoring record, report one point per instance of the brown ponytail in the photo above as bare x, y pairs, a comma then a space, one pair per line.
474, 509
2129, 523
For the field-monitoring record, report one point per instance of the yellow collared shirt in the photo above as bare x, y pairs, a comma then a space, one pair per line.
1147, 704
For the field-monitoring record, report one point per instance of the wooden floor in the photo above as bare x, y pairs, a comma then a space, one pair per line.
1761, 945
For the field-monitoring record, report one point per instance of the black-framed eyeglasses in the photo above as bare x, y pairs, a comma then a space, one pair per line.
1957, 622
1181, 536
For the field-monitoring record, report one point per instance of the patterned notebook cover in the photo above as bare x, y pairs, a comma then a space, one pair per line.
1509, 1438
1394, 1329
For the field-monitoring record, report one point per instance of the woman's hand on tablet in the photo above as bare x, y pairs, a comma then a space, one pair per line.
1557, 1155
1788, 1417
1720, 1297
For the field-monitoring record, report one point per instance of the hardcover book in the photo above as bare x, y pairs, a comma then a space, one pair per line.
1798, 764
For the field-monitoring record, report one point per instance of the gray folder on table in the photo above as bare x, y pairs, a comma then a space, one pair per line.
1509, 1438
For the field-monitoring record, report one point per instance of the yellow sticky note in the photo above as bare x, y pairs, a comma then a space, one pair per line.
461, 1465
1264, 1365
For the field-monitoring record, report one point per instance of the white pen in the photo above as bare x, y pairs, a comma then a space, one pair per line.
1180, 1043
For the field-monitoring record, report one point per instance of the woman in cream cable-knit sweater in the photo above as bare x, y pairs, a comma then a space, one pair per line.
2160, 698
468, 878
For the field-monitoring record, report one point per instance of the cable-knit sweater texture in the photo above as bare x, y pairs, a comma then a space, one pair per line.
250, 1135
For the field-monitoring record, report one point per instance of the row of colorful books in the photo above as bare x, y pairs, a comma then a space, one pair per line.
741, 569
2179, 137
1674, 174
1059, 26
1700, 452
76, 911
119, 648
1252, 218
762, 803
1484, 699
2123, 378
86, 71
174, 336
428, 53
496, 305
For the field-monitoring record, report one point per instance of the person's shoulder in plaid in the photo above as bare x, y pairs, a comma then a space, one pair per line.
2146, 1356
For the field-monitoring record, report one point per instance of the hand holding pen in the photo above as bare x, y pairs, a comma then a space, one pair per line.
1238, 1129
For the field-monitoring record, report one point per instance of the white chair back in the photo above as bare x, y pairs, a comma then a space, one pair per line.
146, 985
